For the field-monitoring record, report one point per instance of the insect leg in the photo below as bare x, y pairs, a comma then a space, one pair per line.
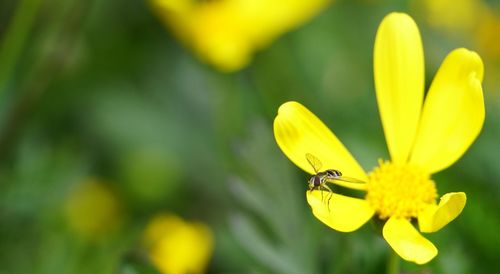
330, 195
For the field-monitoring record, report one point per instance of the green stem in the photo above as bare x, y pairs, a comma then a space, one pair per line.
393, 263
15, 37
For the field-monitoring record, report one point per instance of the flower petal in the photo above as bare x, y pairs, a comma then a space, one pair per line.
407, 242
177, 246
299, 132
435, 217
453, 112
339, 212
399, 81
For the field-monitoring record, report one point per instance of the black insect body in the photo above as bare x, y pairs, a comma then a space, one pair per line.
319, 180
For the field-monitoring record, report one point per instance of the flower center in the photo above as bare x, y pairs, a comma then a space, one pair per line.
399, 190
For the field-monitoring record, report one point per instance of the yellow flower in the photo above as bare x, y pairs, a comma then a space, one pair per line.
422, 140
451, 15
474, 19
92, 210
488, 32
178, 247
225, 33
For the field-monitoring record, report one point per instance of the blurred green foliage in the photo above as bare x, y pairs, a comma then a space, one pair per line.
99, 89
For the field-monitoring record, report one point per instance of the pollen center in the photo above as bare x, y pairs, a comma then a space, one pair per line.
399, 190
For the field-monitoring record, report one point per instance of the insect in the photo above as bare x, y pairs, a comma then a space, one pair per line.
318, 181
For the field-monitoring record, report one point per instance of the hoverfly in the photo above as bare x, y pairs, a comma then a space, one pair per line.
318, 181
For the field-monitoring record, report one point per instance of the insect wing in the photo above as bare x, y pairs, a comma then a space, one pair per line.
348, 179
314, 162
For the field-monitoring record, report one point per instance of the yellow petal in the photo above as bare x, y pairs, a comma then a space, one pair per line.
339, 212
298, 132
169, 6
219, 35
435, 217
176, 246
399, 81
176, 15
407, 242
453, 112
227, 33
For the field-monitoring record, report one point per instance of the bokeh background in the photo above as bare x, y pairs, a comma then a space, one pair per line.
110, 118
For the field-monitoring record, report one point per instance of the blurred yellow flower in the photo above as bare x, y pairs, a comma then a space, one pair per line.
178, 247
422, 137
488, 33
451, 15
473, 21
225, 33
92, 210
